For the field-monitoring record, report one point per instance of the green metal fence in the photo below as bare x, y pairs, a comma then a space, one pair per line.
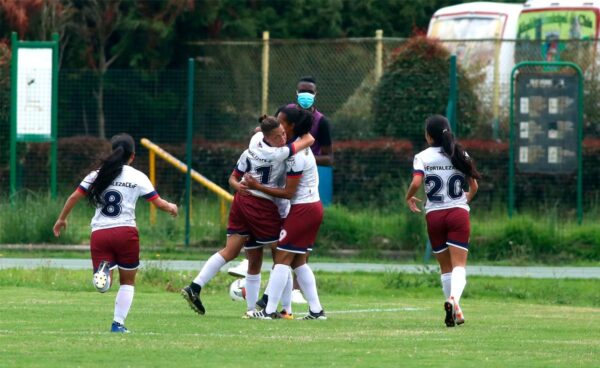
371, 169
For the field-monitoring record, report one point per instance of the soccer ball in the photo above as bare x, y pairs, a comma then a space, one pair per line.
237, 290
101, 278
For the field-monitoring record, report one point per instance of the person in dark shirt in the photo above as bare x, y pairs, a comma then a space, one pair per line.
306, 92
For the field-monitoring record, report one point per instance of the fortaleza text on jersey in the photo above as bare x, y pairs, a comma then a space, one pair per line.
433, 168
124, 184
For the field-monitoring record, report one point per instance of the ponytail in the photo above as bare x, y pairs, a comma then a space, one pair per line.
438, 129
123, 147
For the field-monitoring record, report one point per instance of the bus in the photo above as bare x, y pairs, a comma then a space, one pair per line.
474, 33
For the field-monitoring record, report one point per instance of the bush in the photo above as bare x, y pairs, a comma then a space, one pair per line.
415, 86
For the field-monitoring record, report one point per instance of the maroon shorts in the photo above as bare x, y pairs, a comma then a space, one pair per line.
120, 246
450, 227
301, 227
256, 217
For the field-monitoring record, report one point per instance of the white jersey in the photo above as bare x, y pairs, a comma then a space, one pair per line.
443, 182
120, 198
265, 163
304, 165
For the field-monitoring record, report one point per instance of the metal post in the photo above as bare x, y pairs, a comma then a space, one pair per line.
378, 54
452, 96
152, 169
13, 115
511, 148
265, 73
188, 174
54, 143
579, 147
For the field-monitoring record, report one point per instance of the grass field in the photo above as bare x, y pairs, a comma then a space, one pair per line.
54, 318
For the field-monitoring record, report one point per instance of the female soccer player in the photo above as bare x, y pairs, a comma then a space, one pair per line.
445, 167
113, 190
302, 224
253, 214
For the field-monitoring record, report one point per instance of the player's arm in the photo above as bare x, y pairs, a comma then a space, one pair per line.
166, 206
410, 198
235, 182
324, 138
61, 222
473, 187
326, 156
291, 185
305, 141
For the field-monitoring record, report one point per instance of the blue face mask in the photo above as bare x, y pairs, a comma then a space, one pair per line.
305, 99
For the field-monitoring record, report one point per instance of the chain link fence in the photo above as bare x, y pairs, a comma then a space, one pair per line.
371, 169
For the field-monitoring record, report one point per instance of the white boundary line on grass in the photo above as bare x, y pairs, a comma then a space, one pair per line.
375, 310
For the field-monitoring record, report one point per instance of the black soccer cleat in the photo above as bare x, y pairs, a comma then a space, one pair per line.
450, 319
311, 315
193, 299
261, 304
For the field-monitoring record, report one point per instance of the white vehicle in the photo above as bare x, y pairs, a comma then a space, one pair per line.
474, 33
552, 22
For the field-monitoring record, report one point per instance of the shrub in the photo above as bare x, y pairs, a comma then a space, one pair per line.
414, 86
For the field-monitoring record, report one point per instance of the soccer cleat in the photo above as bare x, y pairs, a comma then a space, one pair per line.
262, 315
193, 299
118, 328
285, 315
101, 278
311, 315
449, 307
241, 270
262, 302
297, 297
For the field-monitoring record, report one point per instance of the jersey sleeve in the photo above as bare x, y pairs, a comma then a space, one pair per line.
418, 166
146, 189
243, 165
295, 166
85, 184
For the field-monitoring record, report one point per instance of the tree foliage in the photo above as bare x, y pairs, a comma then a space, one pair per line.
414, 86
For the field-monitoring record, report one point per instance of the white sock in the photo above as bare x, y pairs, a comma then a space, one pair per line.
277, 281
210, 269
459, 280
286, 296
252, 288
308, 285
446, 282
267, 287
123, 303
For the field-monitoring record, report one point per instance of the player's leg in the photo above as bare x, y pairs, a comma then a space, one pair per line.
126, 247
277, 282
438, 236
232, 249
254, 254
103, 259
308, 285
458, 241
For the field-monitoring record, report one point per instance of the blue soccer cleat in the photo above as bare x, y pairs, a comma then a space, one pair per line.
118, 328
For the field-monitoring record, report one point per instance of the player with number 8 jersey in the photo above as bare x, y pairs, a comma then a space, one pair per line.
113, 190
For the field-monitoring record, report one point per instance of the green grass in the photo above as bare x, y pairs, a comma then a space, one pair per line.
53, 318
368, 232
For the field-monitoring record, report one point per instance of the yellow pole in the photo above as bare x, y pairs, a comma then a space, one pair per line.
378, 54
152, 167
223, 213
183, 168
265, 73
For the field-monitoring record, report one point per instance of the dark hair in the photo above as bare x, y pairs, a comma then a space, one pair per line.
439, 130
308, 79
123, 147
267, 123
300, 118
